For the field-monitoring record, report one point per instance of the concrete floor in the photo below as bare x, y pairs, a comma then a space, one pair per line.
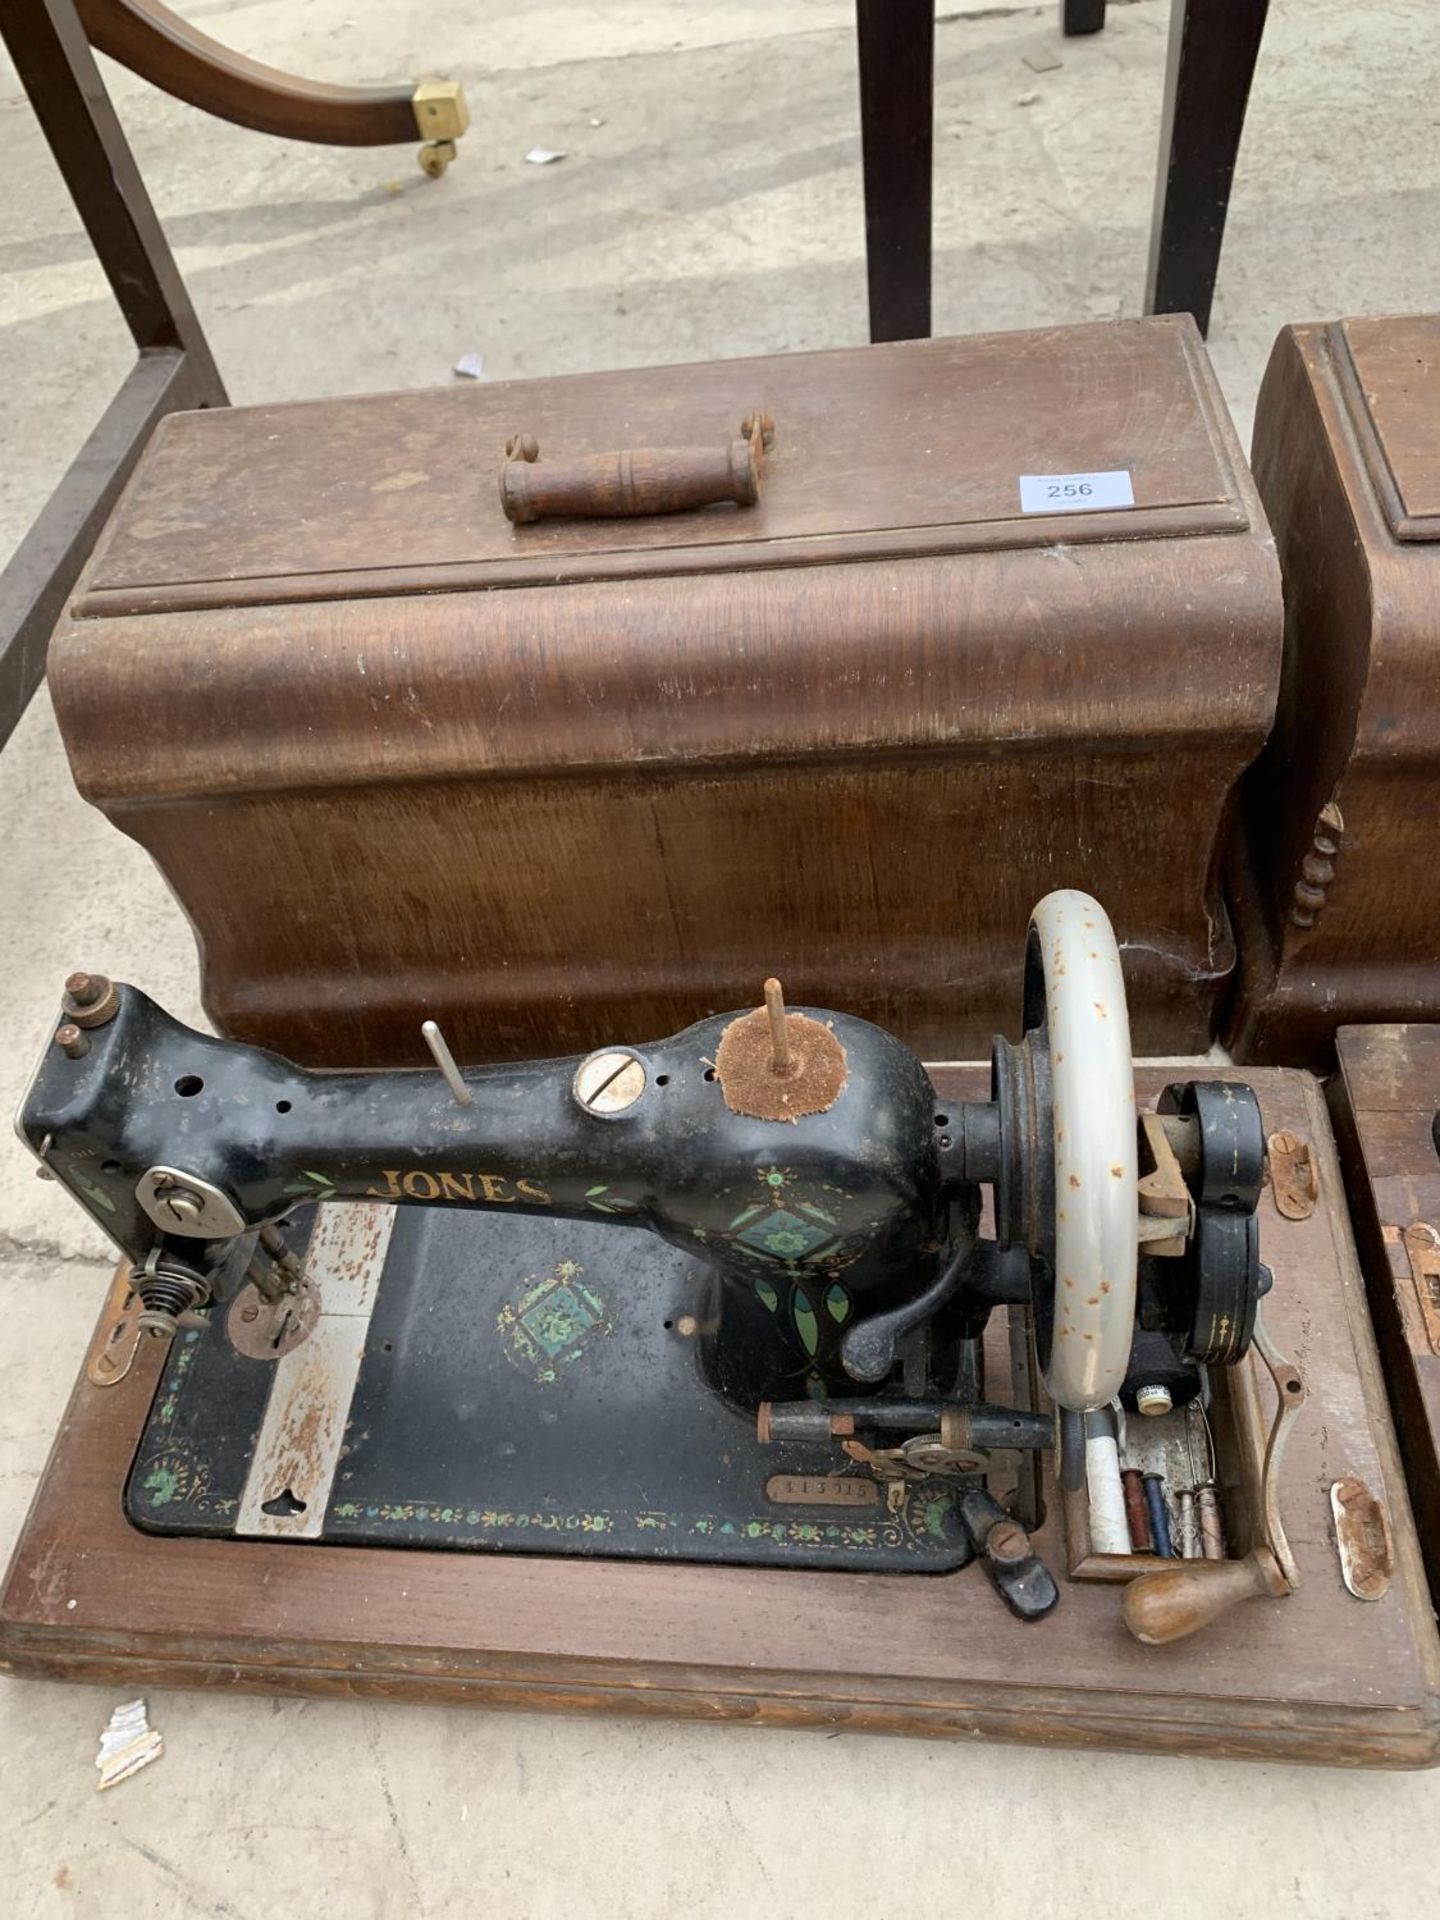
713, 210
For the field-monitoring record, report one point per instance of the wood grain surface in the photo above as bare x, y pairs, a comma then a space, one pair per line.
170, 52
1347, 457
848, 736
1385, 1100
922, 441
1317, 1676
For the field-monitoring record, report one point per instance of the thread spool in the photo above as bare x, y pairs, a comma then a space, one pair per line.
1212, 1529
1159, 1515
1109, 1529
1137, 1516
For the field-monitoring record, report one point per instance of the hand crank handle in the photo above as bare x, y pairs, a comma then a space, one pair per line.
1161, 1607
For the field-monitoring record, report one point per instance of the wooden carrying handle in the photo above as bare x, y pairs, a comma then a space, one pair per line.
1161, 1607
625, 485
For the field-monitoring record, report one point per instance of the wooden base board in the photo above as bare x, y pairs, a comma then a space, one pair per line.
1318, 1676
1384, 1102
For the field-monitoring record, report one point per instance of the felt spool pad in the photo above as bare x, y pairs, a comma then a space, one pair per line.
744, 1066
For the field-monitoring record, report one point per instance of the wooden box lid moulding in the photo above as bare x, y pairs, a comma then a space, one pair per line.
1388, 373
886, 452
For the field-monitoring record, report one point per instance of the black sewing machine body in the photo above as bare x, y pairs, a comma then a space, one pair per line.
846, 1208
680, 1300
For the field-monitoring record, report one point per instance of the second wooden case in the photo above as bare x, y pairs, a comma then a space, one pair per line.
1337, 915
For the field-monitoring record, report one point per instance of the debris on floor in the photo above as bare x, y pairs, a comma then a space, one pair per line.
543, 156
126, 1745
470, 366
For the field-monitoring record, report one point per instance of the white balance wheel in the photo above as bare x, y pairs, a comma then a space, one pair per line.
1072, 944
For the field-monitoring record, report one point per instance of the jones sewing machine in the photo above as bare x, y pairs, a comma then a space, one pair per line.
820, 1300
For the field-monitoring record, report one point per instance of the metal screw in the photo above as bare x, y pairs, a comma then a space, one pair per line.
90, 999
1006, 1543
609, 1082
184, 1205
71, 1040
762, 424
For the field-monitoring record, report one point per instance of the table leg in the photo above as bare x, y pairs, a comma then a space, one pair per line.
1214, 45
896, 42
1082, 16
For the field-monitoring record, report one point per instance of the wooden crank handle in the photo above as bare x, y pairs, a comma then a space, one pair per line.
1161, 1607
634, 482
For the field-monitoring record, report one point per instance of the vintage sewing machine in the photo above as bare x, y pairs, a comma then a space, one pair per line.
810, 1329
693, 1359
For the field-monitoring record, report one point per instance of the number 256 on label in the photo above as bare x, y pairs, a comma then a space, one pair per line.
1075, 492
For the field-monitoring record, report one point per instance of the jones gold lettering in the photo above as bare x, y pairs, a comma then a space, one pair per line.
487, 1189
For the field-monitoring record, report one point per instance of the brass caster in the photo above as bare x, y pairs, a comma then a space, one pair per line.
441, 116
436, 156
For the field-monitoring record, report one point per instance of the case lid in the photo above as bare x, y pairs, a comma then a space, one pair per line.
883, 451
1390, 374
